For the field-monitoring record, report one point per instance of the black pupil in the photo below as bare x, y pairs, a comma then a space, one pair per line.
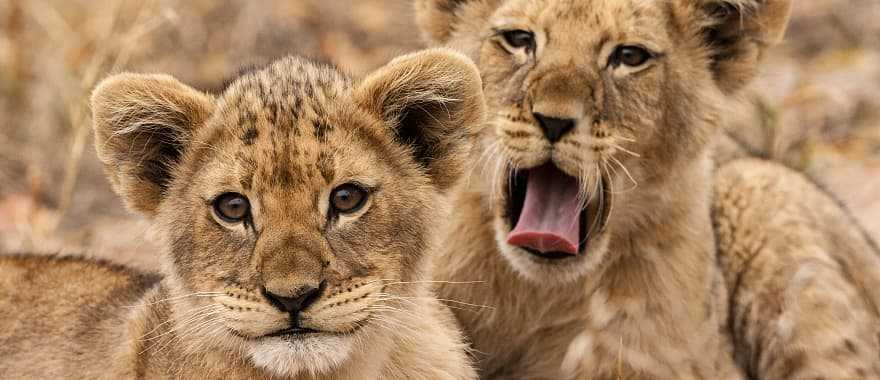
347, 197
234, 207
518, 38
632, 56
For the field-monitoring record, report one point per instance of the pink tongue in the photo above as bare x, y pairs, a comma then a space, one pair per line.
550, 217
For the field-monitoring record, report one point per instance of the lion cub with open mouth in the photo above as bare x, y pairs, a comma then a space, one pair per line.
296, 211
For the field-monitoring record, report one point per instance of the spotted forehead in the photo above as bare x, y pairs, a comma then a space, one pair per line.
278, 121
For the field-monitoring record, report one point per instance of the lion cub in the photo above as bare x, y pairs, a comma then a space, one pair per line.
296, 210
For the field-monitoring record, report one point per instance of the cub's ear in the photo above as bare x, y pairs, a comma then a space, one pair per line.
143, 124
433, 101
739, 31
439, 18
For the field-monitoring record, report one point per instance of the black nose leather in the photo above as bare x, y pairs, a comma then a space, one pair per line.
303, 297
554, 128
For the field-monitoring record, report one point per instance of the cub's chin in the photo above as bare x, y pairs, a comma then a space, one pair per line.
552, 269
292, 355
551, 227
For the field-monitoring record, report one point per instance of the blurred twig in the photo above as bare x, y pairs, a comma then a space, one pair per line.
112, 52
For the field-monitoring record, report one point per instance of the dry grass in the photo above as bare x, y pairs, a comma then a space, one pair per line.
818, 110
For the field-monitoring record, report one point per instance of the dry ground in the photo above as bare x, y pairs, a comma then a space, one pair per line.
818, 107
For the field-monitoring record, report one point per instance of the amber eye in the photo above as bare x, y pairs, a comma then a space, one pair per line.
347, 198
232, 207
519, 39
632, 56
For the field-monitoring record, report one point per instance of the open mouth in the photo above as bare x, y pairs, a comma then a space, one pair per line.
549, 214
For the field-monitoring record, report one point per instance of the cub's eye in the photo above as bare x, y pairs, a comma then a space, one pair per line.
632, 56
519, 39
232, 207
348, 198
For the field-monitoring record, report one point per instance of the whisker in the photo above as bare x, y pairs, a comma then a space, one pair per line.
390, 318
385, 307
180, 328
208, 330
602, 204
585, 196
399, 282
627, 151
495, 180
190, 330
480, 165
176, 298
389, 297
409, 298
466, 304
394, 327
386, 316
165, 339
621, 136
625, 171
190, 314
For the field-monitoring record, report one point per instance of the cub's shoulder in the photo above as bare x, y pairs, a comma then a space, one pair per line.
758, 197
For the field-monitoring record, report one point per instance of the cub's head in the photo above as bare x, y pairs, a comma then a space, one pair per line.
598, 112
297, 206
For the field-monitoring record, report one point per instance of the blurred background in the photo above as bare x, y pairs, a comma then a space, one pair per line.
817, 107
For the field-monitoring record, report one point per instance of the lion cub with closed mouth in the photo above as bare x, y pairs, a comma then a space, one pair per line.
296, 210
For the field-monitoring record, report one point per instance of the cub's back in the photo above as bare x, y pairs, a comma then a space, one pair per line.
53, 309
801, 273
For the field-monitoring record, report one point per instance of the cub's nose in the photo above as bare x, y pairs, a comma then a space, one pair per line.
554, 128
298, 300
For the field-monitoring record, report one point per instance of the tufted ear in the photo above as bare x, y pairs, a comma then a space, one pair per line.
739, 31
143, 124
438, 19
433, 101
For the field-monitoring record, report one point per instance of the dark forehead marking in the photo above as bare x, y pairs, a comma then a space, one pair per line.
669, 12
291, 113
325, 166
316, 198
603, 39
310, 90
280, 91
250, 135
281, 105
321, 129
268, 110
282, 160
449, 5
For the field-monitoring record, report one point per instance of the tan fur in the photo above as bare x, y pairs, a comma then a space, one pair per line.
284, 136
648, 298
804, 279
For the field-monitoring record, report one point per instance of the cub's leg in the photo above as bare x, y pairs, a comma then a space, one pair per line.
804, 280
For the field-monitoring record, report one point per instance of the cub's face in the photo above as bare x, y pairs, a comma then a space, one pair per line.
297, 207
597, 111
301, 223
